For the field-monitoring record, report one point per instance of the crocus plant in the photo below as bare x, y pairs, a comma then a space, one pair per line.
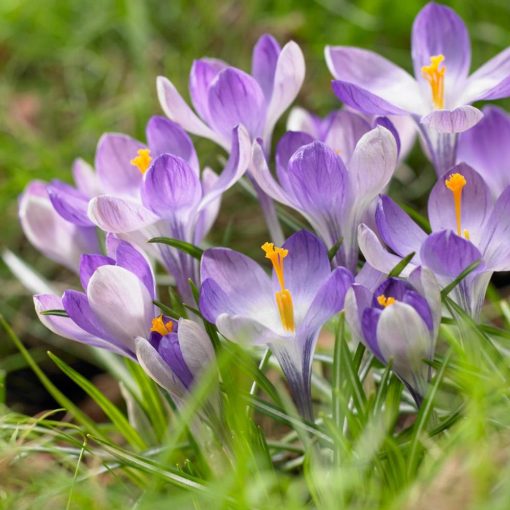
285, 312
440, 94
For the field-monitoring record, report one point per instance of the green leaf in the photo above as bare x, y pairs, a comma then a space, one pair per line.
401, 265
166, 309
118, 419
459, 278
334, 249
188, 248
57, 313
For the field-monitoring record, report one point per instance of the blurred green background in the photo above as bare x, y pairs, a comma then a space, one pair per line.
73, 69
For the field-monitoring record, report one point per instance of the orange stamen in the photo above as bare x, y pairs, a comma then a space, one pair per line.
435, 76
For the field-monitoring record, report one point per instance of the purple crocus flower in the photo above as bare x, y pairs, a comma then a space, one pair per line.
286, 312
342, 129
332, 193
486, 147
157, 190
440, 94
399, 322
468, 225
224, 97
55, 237
116, 312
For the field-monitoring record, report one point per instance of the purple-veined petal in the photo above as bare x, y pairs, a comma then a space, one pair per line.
329, 299
406, 129
371, 83
458, 120
424, 281
170, 186
70, 203
85, 178
114, 170
236, 98
119, 215
403, 337
357, 299
202, 74
369, 320
170, 350
208, 213
495, 239
344, 132
376, 255
397, 229
486, 147
89, 263
447, 254
165, 136
56, 238
238, 162
369, 277
176, 109
67, 328
385, 122
288, 78
302, 120
263, 63
438, 30
476, 203
491, 81
241, 329
121, 303
157, 368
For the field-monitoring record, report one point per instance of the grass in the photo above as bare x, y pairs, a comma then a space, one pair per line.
72, 70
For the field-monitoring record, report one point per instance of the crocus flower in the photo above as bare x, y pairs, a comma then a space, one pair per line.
286, 312
157, 190
333, 194
468, 225
224, 97
486, 147
399, 322
342, 129
440, 94
116, 312
55, 237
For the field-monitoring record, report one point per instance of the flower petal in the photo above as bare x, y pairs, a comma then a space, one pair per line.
89, 263
475, 205
302, 120
344, 131
397, 229
424, 281
85, 178
208, 213
246, 330
457, 120
263, 63
70, 203
165, 136
371, 83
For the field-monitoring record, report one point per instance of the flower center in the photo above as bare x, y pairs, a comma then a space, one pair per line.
160, 326
283, 296
455, 183
386, 301
435, 76
143, 160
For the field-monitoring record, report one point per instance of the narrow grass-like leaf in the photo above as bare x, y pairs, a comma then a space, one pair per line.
56, 313
188, 248
397, 270
166, 309
454, 283
334, 249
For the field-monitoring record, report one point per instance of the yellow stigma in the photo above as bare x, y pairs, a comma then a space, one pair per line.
455, 183
161, 327
435, 76
143, 160
283, 296
386, 301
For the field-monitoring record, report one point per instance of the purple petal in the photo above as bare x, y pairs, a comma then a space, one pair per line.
300, 119
476, 203
397, 229
369, 320
447, 254
486, 147
288, 78
453, 121
85, 178
264, 59
202, 74
357, 300
70, 203
344, 131
388, 124
371, 83
407, 131
209, 212
165, 136
114, 171
170, 186
89, 263
176, 109
329, 299
491, 81
236, 98
170, 351
246, 330
424, 281
438, 30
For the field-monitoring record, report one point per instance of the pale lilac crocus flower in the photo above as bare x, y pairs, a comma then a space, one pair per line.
439, 96
224, 97
285, 312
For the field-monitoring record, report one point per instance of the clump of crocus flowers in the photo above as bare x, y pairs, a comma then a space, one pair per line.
361, 254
